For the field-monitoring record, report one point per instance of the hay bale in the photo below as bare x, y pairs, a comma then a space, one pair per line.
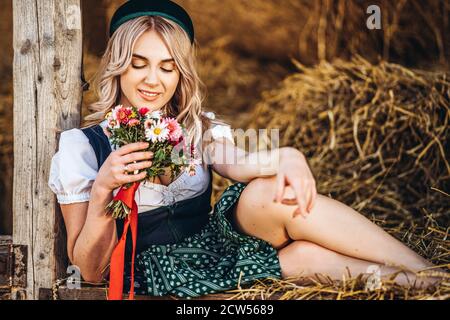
376, 136
431, 241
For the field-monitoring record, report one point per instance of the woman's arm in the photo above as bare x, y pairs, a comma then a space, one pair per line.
288, 164
236, 164
98, 237
91, 235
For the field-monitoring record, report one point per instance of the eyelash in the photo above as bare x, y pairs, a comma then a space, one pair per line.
165, 70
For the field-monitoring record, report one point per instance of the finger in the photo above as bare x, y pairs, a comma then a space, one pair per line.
136, 156
314, 196
279, 188
289, 202
126, 178
308, 199
139, 166
132, 147
299, 193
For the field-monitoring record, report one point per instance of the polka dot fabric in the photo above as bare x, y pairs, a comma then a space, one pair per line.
214, 260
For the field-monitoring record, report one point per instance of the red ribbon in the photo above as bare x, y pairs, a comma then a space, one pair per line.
126, 195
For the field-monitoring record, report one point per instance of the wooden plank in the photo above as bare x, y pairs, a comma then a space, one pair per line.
100, 293
47, 98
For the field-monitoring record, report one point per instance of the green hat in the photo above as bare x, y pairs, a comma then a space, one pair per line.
164, 8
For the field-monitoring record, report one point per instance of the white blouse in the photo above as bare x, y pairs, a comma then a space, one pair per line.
74, 168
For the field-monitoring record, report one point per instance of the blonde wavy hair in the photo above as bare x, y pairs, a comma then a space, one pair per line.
185, 105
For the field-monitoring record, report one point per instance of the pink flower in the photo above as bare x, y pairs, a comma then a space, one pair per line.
148, 123
174, 127
121, 114
143, 111
133, 122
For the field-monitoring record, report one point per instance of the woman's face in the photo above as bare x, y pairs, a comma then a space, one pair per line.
152, 77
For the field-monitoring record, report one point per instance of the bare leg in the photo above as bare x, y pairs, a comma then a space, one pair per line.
331, 224
306, 259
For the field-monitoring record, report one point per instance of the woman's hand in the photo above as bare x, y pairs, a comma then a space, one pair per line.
294, 171
112, 173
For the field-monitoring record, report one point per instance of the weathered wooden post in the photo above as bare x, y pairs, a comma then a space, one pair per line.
47, 98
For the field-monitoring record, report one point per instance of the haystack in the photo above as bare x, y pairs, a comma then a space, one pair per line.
377, 136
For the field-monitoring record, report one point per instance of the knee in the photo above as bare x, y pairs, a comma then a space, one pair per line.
257, 202
264, 190
300, 258
305, 251
260, 184
303, 248
255, 194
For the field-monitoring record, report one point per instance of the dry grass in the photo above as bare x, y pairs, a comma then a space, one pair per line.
376, 138
430, 241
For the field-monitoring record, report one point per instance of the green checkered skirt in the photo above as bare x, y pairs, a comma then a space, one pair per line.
216, 259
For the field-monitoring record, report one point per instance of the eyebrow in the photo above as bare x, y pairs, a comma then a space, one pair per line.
135, 55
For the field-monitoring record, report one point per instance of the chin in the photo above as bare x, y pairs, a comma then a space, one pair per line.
148, 105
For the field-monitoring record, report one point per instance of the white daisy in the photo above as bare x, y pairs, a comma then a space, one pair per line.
153, 115
157, 132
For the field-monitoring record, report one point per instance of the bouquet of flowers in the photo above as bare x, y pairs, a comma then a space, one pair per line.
165, 136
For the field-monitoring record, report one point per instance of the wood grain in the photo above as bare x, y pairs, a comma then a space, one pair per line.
47, 99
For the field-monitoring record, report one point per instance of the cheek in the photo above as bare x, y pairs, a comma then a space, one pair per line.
130, 77
125, 81
128, 83
173, 83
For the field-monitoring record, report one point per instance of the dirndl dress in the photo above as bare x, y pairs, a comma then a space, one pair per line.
189, 249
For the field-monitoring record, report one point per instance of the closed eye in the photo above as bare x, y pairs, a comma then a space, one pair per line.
142, 67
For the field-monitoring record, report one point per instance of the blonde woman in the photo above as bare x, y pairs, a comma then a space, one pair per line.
272, 225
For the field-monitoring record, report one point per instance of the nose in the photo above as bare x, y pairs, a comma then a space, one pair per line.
152, 77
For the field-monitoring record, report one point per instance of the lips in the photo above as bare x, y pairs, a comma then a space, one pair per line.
149, 95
